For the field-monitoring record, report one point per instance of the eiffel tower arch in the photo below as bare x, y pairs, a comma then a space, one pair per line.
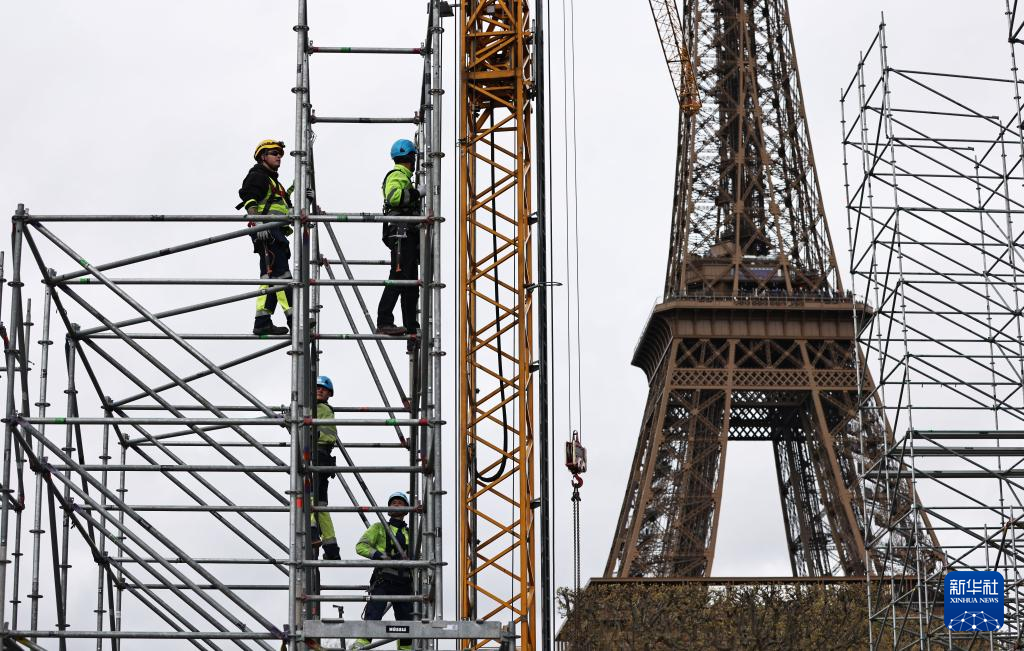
755, 339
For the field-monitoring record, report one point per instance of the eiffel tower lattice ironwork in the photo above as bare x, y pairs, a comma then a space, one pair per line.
756, 337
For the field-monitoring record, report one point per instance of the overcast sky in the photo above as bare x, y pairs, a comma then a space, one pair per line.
125, 107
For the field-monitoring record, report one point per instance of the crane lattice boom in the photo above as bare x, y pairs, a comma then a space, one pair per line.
677, 55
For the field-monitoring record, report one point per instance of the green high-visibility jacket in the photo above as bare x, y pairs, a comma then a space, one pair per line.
328, 433
375, 539
397, 180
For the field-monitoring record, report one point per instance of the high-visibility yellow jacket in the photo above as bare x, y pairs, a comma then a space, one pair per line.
328, 434
261, 189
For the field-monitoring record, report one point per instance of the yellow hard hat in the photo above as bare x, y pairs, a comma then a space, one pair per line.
267, 144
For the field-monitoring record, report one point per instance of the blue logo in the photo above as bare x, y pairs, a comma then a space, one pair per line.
973, 601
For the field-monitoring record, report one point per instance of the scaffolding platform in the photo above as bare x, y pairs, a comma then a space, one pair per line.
167, 495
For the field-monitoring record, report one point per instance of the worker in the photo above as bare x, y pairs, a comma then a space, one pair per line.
377, 545
327, 438
401, 198
262, 194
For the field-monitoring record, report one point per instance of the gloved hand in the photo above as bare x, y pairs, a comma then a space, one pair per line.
377, 556
263, 236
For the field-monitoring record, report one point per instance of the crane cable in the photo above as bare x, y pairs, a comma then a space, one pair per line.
575, 453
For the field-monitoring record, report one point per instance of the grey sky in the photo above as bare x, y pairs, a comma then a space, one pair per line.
121, 107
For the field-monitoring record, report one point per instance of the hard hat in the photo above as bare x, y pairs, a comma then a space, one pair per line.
325, 382
402, 495
402, 148
265, 145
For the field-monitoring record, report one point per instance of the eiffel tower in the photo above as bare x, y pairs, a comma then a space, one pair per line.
755, 339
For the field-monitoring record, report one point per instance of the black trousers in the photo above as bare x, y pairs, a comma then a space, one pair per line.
405, 262
322, 457
390, 585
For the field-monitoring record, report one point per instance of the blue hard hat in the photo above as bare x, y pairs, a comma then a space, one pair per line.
325, 382
402, 148
402, 495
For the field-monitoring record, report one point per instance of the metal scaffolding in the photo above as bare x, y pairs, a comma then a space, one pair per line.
167, 495
934, 171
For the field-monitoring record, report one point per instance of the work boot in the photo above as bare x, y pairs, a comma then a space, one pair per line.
332, 552
390, 330
312, 322
264, 326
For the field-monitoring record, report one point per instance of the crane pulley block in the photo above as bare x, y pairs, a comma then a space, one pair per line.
575, 455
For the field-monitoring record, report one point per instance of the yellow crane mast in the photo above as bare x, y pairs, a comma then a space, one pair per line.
496, 426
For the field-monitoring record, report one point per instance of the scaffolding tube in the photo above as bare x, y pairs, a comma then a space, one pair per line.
934, 164
167, 486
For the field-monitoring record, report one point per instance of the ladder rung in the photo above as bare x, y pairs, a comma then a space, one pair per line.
241, 337
370, 217
270, 282
368, 563
966, 434
278, 422
967, 452
326, 217
266, 444
251, 408
367, 50
356, 263
207, 468
363, 597
234, 508
244, 586
343, 120
379, 282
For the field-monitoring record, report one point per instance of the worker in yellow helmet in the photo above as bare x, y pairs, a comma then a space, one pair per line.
263, 194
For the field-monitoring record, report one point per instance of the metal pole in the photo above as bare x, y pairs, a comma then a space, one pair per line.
37, 521
433, 500
299, 515
104, 477
20, 465
11, 411
546, 588
70, 353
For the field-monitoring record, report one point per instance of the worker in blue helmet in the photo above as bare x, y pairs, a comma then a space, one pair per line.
377, 545
401, 198
327, 438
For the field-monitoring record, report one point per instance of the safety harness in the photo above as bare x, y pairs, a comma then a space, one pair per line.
390, 551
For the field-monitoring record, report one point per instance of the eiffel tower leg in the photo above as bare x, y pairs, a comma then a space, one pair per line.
623, 552
693, 523
801, 510
833, 412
